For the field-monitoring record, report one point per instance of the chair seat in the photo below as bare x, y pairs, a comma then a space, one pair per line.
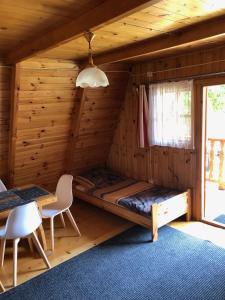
50, 212
2, 231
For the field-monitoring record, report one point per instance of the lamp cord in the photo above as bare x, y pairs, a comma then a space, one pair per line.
90, 58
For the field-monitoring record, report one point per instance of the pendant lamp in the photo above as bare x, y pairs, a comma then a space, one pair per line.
91, 76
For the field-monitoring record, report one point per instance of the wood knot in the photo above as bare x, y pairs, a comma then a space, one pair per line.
45, 164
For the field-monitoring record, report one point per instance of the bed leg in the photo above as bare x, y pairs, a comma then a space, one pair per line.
154, 228
188, 214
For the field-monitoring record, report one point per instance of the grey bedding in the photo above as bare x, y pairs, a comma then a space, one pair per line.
141, 203
108, 186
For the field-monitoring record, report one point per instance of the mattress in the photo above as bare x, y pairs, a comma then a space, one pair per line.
134, 195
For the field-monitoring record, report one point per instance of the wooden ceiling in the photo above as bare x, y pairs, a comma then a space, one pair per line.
161, 18
23, 21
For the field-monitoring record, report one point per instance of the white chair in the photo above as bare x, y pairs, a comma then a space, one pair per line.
2, 187
64, 195
22, 222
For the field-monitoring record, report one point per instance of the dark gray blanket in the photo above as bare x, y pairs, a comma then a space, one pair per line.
141, 203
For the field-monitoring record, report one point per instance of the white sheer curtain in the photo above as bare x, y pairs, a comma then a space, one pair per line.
171, 114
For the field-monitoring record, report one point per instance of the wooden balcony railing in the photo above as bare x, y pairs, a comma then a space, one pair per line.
215, 164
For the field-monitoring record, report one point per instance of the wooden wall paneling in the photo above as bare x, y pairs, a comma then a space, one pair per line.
191, 64
98, 116
124, 155
75, 126
57, 128
5, 79
44, 100
163, 165
175, 168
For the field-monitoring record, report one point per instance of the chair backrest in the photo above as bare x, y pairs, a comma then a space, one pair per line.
22, 221
2, 187
64, 191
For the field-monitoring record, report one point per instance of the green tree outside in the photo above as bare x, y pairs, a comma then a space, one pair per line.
216, 97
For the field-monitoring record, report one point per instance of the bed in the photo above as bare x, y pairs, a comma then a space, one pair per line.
137, 201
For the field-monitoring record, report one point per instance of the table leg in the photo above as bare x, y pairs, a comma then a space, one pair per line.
42, 237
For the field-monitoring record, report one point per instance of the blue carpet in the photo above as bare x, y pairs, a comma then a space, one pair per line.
220, 219
128, 266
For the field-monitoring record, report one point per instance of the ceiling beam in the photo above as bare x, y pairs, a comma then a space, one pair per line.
107, 12
190, 34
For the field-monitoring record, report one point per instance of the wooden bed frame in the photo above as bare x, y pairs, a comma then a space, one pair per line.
161, 214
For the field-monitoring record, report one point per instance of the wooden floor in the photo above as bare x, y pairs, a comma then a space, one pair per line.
202, 231
96, 226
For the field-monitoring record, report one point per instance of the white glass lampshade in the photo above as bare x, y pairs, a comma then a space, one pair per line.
92, 77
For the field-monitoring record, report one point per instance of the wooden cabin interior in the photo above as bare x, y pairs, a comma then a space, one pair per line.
59, 138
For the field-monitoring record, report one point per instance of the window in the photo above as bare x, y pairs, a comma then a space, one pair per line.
170, 114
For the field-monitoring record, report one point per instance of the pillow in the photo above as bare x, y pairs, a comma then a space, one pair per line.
81, 188
84, 182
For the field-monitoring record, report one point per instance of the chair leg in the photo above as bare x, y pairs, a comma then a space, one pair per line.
15, 255
2, 255
41, 232
73, 222
2, 289
40, 249
62, 220
52, 233
30, 244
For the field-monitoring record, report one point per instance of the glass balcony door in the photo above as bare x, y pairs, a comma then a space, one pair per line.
214, 154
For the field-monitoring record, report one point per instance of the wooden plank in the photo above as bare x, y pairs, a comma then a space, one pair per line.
154, 223
105, 13
190, 34
13, 121
75, 127
5, 77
